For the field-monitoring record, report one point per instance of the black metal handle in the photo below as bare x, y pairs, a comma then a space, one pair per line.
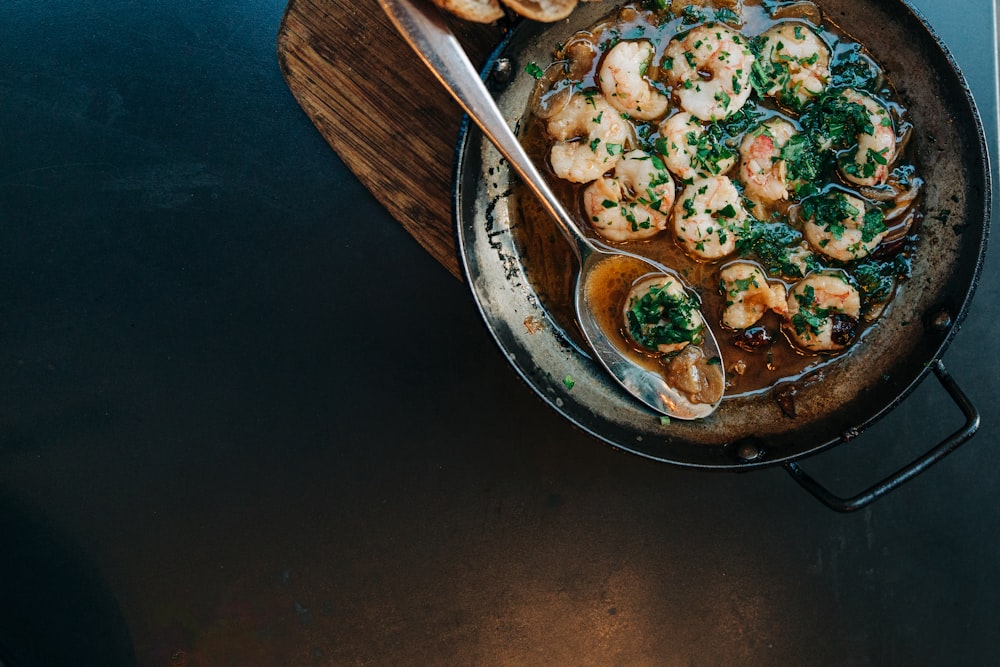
905, 473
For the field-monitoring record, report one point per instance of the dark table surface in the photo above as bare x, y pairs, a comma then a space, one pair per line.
207, 456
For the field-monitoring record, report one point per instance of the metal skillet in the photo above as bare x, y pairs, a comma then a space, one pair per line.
834, 404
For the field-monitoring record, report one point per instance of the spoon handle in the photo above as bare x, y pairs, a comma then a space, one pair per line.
422, 26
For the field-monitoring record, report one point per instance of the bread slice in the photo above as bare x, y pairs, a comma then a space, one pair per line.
477, 11
542, 10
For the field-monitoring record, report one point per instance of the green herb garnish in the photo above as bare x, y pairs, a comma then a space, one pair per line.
663, 318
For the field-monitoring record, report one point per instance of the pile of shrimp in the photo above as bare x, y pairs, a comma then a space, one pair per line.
692, 130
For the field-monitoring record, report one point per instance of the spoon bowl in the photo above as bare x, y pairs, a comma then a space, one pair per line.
642, 374
422, 26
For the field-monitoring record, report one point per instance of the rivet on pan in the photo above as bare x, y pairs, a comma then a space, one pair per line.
940, 321
502, 70
749, 451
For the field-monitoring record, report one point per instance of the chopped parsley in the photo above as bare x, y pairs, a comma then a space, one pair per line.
834, 122
877, 278
692, 15
663, 318
804, 163
534, 70
727, 15
873, 224
830, 211
810, 317
777, 245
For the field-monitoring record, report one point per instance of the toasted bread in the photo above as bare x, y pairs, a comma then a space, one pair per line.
542, 10
477, 11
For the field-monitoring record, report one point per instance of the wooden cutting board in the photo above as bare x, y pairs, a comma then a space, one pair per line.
380, 109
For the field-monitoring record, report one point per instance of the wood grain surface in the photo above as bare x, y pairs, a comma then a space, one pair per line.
380, 109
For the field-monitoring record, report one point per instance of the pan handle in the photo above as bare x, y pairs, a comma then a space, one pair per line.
907, 472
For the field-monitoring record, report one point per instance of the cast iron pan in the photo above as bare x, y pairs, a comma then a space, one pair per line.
831, 406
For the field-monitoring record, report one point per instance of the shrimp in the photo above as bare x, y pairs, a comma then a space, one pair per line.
590, 138
660, 315
635, 203
876, 143
763, 172
823, 312
794, 64
749, 295
689, 151
709, 68
841, 226
691, 372
623, 81
708, 217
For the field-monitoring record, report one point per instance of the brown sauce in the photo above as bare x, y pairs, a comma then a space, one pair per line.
761, 356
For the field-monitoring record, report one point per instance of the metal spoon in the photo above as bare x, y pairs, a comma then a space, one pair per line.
423, 27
